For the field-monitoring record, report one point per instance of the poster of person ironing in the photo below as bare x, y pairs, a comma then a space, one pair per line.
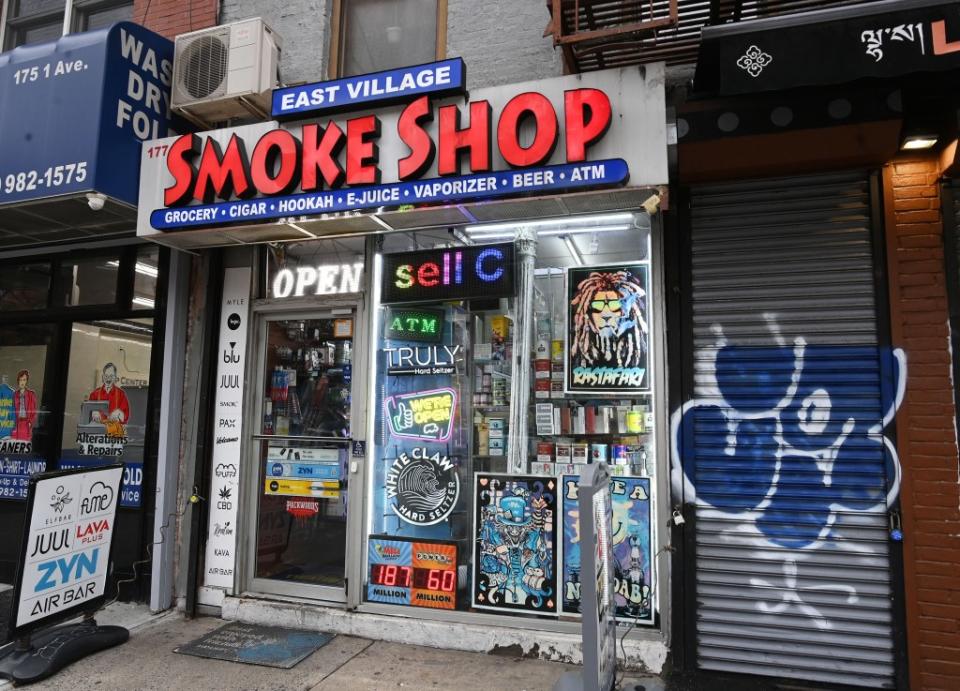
608, 329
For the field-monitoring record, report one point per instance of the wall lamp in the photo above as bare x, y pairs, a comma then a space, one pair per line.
918, 142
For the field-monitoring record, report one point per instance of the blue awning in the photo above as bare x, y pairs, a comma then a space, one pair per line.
73, 114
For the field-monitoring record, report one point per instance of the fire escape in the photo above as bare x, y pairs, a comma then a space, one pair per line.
600, 34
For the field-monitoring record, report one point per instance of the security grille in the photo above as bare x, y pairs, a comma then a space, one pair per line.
782, 446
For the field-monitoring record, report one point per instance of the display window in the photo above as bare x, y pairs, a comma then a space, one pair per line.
78, 353
506, 358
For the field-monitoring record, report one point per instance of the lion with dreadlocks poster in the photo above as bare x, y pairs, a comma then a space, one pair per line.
608, 329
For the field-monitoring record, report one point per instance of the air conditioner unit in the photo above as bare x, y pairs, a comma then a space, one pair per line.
225, 72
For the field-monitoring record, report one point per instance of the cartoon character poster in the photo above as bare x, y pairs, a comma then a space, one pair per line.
515, 559
631, 543
608, 329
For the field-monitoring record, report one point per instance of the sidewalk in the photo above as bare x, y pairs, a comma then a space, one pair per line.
147, 662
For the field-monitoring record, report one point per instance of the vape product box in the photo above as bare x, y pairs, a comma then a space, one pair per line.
579, 453
563, 453
544, 452
541, 468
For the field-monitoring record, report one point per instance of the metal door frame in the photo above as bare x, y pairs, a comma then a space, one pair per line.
263, 312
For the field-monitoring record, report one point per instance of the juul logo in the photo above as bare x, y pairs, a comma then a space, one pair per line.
51, 542
232, 356
229, 381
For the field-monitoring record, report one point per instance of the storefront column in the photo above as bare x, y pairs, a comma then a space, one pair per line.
526, 244
168, 508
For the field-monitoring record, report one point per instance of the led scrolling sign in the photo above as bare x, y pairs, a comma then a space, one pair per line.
478, 271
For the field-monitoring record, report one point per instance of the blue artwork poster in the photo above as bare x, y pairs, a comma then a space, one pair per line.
515, 557
632, 547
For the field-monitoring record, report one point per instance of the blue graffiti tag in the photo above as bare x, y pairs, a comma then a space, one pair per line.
790, 436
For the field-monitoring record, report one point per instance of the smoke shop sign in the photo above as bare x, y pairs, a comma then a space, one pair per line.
545, 137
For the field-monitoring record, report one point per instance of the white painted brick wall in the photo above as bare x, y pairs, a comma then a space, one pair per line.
302, 24
500, 40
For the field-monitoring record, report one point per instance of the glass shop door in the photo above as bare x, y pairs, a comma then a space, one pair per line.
300, 443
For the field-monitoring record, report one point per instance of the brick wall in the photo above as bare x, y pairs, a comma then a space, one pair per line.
172, 17
304, 26
503, 43
926, 430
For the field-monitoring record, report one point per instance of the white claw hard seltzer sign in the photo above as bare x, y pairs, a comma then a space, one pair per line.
67, 548
227, 430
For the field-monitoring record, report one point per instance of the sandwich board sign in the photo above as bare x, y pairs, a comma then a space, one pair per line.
64, 562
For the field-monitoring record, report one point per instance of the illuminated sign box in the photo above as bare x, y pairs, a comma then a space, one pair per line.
416, 573
436, 78
422, 324
455, 273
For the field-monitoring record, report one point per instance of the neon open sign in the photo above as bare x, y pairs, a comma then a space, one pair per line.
481, 271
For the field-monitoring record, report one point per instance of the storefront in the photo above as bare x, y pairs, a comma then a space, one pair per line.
808, 170
82, 301
414, 360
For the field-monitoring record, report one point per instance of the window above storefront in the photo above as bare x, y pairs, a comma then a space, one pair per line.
383, 34
35, 21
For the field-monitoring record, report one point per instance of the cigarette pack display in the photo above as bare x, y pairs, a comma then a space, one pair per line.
563, 453
541, 388
556, 388
545, 452
579, 453
541, 369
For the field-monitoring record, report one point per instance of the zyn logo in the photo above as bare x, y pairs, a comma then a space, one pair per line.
68, 569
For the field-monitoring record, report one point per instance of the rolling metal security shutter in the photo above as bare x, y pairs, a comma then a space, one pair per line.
782, 440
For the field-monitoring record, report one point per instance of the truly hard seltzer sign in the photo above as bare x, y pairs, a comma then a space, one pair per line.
66, 553
228, 416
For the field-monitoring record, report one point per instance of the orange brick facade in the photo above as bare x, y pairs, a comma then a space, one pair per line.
926, 427
172, 17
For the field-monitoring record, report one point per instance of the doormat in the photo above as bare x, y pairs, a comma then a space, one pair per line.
270, 646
